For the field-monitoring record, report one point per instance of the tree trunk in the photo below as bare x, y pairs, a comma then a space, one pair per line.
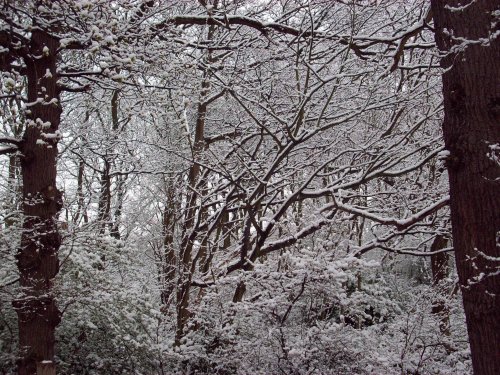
440, 271
192, 210
104, 205
189, 230
79, 193
471, 128
37, 258
170, 258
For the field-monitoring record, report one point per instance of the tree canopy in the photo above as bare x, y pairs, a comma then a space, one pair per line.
249, 187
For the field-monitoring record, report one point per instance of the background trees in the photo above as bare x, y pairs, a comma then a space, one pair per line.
246, 186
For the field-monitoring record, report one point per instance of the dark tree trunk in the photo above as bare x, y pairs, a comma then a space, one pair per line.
104, 205
471, 128
189, 227
170, 258
37, 257
440, 272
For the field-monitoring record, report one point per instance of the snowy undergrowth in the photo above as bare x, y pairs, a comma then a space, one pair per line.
324, 316
303, 312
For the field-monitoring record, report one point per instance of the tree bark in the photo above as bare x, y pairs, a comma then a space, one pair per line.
104, 206
79, 193
440, 271
471, 129
170, 258
189, 230
37, 257
192, 210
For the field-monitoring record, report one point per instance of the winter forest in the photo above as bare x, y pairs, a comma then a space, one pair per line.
249, 187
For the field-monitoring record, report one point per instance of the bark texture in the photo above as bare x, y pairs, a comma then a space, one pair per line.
37, 257
194, 210
440, 272
467, 35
